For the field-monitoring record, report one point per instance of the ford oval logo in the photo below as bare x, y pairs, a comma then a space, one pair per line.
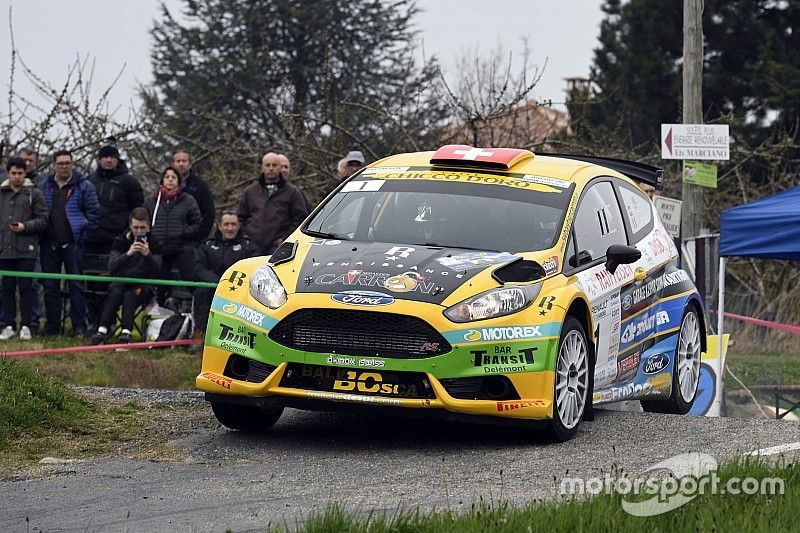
362, 298
626, 302
655, 363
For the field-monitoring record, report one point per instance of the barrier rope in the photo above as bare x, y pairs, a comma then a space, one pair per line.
100, 348
787, 328
107, 279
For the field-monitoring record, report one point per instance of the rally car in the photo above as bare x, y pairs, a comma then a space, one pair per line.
481, 284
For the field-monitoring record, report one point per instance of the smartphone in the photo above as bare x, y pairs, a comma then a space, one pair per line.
15, 223
141, 238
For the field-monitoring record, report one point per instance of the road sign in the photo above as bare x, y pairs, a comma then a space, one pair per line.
695, 141
700, 174
670, 211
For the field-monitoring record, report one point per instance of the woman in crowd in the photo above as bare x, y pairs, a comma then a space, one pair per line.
175, 220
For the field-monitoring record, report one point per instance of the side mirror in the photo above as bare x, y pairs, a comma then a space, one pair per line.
618, 254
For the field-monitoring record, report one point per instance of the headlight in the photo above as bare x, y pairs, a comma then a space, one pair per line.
266, 287
493, 303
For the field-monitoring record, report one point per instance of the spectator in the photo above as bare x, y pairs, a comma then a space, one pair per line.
175, 221
134, 254
217, 254
31, 158
353, 162
271, 208
193, 184
341, 169
117, 193
23, 216
286, 166
73, 211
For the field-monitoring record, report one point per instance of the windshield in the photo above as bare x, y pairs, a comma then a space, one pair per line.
453, 214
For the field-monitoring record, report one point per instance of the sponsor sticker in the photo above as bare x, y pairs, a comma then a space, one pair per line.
655, 363
236, 338
503, 334
470, 260
367, 298
543, 180
519, 404
503, 360
363, 186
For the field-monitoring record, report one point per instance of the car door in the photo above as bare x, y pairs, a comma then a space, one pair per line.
598, 224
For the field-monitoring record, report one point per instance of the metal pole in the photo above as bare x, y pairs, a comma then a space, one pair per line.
692, 195
717, 405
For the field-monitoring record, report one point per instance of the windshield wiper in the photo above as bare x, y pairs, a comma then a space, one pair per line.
323, 235
437, 245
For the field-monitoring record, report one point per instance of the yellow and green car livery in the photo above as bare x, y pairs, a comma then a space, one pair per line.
480, 284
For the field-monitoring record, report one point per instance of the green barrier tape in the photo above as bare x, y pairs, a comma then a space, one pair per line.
107, 279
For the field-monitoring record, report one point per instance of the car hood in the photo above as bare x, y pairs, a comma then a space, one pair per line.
421, 273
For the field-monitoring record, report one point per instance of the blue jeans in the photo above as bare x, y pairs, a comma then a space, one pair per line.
71, 257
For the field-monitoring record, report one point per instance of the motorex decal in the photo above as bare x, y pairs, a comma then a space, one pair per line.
227, 307
502, 333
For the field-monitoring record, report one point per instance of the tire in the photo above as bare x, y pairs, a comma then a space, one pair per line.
572, 381
246, 417
686, 368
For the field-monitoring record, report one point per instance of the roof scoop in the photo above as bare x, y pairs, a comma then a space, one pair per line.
463, 155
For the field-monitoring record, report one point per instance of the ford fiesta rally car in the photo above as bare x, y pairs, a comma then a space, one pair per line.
483, 284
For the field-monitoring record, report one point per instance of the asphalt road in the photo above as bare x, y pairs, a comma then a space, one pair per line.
228, 480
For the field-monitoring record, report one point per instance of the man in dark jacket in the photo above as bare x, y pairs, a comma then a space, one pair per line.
134, 254
23, 216
216, 255
193, 184
271, 208
117, 193
73, 211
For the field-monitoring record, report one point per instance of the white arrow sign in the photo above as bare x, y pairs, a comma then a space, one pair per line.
695, 141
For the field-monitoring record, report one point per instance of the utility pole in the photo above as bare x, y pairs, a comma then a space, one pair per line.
692, 195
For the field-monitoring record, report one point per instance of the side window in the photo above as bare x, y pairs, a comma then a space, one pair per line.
598, 222
638, 210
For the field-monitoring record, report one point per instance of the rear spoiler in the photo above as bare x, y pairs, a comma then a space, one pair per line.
636, 171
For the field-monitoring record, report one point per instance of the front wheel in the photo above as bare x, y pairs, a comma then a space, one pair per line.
686, 370
246, 417
571, 388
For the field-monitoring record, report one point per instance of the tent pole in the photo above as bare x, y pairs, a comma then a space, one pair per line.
720, 317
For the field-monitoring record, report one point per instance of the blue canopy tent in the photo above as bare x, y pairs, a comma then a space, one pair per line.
768, 229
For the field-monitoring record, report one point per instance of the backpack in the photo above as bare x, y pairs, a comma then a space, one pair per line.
176, 327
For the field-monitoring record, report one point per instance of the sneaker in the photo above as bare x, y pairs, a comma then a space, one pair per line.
7, 333
24, 333
79, 333
99, 338
123, 338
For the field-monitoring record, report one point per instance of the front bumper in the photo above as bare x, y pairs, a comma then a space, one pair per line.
219, 387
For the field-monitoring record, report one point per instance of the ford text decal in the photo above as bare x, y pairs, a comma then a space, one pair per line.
362, 298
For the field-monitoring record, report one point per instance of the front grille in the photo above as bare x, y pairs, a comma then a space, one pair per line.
364, 333
386, 383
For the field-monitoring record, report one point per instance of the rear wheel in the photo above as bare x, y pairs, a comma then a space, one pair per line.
571, 380
246, 417
686, 369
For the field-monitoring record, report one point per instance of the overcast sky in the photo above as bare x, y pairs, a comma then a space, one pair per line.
51, 34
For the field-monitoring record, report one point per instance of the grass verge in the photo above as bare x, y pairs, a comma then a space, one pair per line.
157, 368
41, 416
707, 512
